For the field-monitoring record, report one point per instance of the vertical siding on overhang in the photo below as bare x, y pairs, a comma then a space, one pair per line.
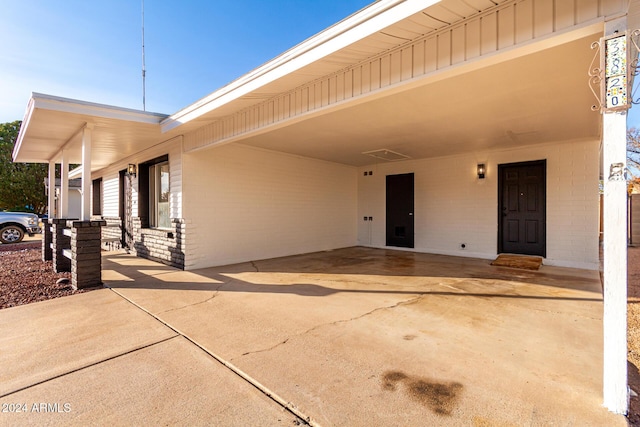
503, 27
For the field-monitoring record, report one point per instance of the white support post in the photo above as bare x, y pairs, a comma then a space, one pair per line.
86, 173
615, 266
614, 154
51, 201
64, 185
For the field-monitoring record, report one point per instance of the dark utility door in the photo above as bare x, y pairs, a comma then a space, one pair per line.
400, 210
126, 209
522, 198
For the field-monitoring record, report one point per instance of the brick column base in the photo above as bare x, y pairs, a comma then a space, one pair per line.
47, 239
86, 257
60, 243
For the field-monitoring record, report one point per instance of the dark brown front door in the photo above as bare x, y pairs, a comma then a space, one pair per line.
400, 210
522, 208
126, 209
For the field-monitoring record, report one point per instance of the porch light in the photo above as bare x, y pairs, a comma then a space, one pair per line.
481, 170
132, 169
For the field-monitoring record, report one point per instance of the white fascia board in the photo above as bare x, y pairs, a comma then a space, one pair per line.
358, 26
74, 106
28, 114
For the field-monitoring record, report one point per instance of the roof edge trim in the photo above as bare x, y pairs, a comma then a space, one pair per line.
68, 105
23, 126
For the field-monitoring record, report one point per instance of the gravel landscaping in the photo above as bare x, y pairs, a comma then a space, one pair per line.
25, 278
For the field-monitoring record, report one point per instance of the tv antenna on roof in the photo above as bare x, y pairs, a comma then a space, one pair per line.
144, 71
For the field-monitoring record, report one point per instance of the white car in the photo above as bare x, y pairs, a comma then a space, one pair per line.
14, 225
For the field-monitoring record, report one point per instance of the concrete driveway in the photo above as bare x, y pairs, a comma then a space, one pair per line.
352, 337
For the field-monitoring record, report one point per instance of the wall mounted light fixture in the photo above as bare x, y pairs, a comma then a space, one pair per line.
482, 170
132, 170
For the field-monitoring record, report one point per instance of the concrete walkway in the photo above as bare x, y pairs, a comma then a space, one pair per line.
354, 337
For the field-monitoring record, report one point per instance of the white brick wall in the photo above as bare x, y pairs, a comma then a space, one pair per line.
247, 204
453, 207
244, 203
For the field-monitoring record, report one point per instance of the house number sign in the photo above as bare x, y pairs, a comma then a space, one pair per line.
615, 74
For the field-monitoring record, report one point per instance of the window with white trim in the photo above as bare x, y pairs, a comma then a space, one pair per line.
97, 197
154, 193
159, 192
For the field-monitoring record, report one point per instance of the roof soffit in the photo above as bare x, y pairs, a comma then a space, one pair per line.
366, 34
313, 58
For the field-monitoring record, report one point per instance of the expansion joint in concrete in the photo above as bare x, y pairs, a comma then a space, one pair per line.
303, 419
89, 365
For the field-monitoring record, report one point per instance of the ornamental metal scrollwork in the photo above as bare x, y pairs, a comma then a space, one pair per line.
595, 76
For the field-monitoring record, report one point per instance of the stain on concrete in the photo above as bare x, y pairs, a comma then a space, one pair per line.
390, 379
438, 396
409, 337
441, 398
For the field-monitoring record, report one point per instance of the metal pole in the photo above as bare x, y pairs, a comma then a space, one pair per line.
144, 71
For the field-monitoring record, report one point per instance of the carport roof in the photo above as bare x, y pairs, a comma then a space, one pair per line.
53, 123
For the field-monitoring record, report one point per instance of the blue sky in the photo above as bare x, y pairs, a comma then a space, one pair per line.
91, 49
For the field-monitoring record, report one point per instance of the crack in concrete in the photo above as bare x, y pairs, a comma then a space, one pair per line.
215, 294
336, 322
266, 349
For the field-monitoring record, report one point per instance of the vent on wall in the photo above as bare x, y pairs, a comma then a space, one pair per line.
385, 154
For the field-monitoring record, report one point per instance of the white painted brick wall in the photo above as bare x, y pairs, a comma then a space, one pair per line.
244, 203
247, 204
452, 206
